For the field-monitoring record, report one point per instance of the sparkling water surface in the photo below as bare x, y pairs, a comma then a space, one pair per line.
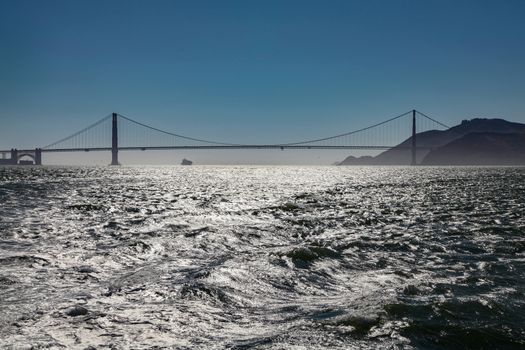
262, 257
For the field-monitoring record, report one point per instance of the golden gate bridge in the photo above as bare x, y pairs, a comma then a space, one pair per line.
116, 132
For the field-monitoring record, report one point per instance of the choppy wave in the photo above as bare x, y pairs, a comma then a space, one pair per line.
262, 257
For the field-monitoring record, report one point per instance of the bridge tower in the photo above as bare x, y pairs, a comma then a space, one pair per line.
414, 161
114, 141
38, 156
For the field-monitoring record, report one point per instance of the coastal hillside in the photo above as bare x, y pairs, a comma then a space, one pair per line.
480, 149
434, 139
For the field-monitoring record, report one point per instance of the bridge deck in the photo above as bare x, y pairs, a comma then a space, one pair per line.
282, 147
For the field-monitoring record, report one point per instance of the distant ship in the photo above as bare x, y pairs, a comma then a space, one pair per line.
186, 162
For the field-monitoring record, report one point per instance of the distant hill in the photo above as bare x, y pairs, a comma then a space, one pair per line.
434, 139
485, 148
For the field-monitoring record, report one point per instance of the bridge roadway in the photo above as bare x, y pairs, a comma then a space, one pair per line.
159, 148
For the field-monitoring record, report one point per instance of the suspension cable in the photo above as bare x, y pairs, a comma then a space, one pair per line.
78, 132
236, 144
435, 121
347, 133
177, 135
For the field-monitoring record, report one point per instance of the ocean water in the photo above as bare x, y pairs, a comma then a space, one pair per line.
262, 257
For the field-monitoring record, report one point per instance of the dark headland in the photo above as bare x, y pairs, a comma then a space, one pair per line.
473, 142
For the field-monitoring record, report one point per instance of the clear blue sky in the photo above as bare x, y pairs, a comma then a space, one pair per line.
255, 71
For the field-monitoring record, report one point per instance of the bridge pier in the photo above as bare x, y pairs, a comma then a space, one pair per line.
414, 160
114, 141
14, 156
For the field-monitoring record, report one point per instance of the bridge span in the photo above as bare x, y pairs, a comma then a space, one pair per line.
116, 133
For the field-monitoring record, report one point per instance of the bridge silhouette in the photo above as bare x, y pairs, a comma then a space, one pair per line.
116, 132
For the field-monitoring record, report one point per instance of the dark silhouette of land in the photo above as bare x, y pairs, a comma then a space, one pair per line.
473, 142
486, 148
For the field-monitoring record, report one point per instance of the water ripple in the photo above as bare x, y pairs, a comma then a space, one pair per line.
262, 257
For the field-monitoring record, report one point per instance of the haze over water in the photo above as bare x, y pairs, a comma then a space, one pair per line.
262, 257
